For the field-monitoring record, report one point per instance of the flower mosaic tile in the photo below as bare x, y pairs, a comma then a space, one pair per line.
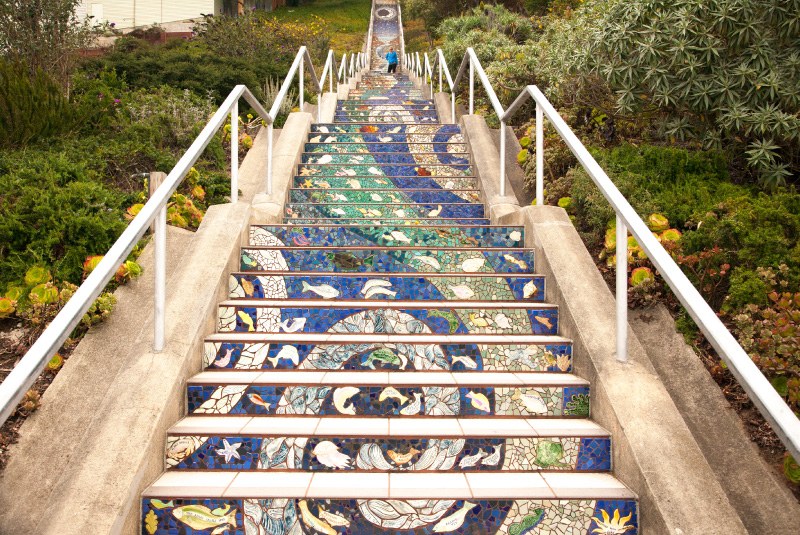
383, 170
283, 516
556, 358
373, 210
462, 288
351, 196
387, 260
389, 236
359, 319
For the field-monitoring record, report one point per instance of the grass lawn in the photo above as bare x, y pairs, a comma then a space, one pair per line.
348, 20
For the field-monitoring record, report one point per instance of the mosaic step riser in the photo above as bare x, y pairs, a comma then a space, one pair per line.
379, 221
352, 170
385, 128
325, 454
511, 289
389, 402
376, 113
386, 119
416, 159
440, 142
362, 107
389, 183
355, 319
404, 102
170, 514
329, 259
335, 196
388, 356
383, 148
382, 210
391, 236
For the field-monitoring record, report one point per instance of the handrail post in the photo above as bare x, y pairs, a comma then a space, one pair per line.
302, 70
622, 291
235, 152
453, 105
319, 107
269, 158
440, 76
160, 267
471, 87
502, 158
539, 155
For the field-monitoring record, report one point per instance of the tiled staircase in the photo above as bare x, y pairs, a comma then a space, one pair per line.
386, 362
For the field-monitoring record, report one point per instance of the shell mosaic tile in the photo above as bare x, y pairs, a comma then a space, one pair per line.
373, 210
283, 516
386, 158
350, 196
276, 258
472, 288
383, 170
556, 358
389, 236
373, 182
393, 402
324, 454
359, 319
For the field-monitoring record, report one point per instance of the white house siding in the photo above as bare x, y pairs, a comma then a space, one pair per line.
130, 13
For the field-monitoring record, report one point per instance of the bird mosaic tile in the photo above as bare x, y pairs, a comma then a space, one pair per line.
351, 196
373, 182
383, 170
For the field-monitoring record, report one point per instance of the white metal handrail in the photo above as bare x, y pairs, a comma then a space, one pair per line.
771, 405
154, 212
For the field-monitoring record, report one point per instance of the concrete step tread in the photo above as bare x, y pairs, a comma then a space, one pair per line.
387, 378
382, 485
427, 339
415, 427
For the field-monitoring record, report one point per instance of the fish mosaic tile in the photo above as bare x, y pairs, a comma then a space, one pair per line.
381, 147
381, 401
389, 236
462, 288
387, 260
373, 182
359, 319
164, 515
373, 210
383, 170
385, 158
555, 358
437, 130
351, 196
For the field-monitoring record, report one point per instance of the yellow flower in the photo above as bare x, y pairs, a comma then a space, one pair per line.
614, 526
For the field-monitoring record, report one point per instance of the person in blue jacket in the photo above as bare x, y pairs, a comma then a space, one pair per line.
391, 57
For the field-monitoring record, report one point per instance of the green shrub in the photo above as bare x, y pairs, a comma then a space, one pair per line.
723, 72
31, 106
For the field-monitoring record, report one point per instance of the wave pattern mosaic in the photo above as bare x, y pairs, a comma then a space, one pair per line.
386, 361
